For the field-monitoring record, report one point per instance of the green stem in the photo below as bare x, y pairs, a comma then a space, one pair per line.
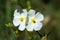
8, 11
28, 5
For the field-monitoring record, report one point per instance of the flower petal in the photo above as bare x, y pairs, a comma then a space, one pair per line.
29, 27
39, 17
24, 13
16, 13
16, 21
37, 26
31, 12
22, 26
24, 10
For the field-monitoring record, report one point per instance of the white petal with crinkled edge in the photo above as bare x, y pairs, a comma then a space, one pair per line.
24, 10
37, 26
21, 27
24, 13
39, 16
16, 21
29, 27
16, 13
31, 12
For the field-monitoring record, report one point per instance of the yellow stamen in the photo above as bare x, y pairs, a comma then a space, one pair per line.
32, 20
22, 18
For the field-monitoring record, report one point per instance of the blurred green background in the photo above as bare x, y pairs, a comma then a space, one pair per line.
49, 8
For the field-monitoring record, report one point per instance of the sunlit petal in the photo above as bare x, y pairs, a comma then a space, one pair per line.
24, 14
16, 21
31, 12
22, 26
24, 10
39, 16
16, 13
29, 27
37, 26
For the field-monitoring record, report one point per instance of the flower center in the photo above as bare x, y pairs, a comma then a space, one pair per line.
22, 18
32, 20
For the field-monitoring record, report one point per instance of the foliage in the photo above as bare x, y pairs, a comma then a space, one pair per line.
50, 30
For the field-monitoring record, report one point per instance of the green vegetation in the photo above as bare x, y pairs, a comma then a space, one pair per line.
49, 8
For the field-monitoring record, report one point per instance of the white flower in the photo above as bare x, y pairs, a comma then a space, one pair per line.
20, 19
34, 22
